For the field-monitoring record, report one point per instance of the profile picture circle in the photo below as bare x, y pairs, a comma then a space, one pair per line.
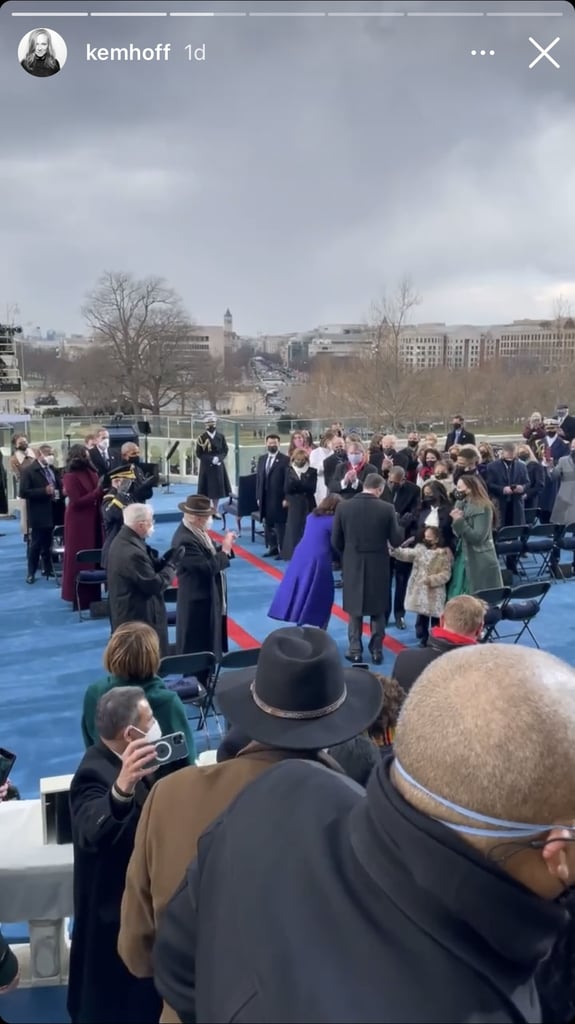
42, 52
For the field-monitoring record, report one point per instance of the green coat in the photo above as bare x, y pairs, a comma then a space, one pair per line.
475, 531
168, 710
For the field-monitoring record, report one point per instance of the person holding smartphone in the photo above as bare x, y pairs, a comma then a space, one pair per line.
107, 795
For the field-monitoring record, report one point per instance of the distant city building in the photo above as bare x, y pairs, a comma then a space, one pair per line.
460, 346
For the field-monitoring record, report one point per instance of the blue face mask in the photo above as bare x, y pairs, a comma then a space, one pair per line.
502, 829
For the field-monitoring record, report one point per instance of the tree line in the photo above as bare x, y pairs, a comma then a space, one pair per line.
139, 356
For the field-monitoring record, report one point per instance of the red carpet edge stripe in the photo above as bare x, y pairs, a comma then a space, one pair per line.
259, 563
240, 637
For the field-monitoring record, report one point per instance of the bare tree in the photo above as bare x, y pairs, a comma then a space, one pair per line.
93, 380
385, 387
142, 328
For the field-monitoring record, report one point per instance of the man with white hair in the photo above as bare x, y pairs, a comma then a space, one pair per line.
137, 578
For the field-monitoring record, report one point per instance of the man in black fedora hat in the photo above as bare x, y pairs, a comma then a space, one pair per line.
297, 702
201, 617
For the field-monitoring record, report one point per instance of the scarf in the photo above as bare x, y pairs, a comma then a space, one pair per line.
206, 541
300, 470
453, 638
356, 469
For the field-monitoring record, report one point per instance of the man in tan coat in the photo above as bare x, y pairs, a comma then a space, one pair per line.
301, 702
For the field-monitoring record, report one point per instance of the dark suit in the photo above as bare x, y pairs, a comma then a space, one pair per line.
103, 462
100, 989
501, 474
329, 467
270, 494
136, 584
337, 480
45, 511
405, 500
465, 437
363, 528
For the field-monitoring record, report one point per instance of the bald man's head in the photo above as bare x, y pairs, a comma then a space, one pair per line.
492, 729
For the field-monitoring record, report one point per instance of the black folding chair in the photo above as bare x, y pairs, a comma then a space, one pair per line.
540, 542
247, 658
565, 542
89, 577
171, 598
522, 605
185, 669
494, 599
58, 552
510, 543
532, 516
255, 519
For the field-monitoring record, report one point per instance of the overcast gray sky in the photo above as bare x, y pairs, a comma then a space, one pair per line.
305, 167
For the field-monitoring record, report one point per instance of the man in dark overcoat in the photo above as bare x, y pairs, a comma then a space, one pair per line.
363, 529
507, 482
41, 488
137, 578
211, 452
201, 616
270, 494
106, 798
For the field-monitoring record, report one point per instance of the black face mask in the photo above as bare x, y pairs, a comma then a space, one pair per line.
341, 455
429, 543
551, 433
457, 427
272, 449
524, 458
412, 444
22, 447
134, 460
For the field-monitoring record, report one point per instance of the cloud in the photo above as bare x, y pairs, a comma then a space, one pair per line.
308, 165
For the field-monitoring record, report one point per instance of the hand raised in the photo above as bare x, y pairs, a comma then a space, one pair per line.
135, 764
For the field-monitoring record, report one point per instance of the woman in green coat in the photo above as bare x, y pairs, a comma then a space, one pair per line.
132, 658
476, 563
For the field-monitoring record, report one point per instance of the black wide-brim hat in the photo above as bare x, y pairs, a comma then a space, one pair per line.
300, 696
198, 505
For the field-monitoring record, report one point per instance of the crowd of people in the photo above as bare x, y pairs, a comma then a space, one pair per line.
448, 506
366, 848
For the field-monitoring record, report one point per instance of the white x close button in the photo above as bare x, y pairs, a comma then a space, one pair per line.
544, 52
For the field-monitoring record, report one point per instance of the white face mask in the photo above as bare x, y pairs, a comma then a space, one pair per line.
49, 460
153, 734
208, 523
150, 530
105, 443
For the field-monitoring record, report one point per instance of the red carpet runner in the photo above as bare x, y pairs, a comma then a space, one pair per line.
259, 563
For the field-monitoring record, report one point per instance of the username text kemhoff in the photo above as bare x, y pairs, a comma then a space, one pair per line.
159, 52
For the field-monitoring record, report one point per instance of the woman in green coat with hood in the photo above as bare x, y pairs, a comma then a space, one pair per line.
474, 519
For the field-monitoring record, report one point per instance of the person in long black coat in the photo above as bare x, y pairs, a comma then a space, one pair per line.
137, 578
201, 615
41, 488
211, 451
270, 484
106, 799
299, 495
507, 482
363, 529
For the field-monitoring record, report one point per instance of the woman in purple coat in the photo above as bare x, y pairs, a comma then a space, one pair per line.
305, 594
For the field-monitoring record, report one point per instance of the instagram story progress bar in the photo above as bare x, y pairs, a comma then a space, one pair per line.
44, 15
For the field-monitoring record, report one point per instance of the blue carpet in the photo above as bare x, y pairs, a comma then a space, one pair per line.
49, 658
